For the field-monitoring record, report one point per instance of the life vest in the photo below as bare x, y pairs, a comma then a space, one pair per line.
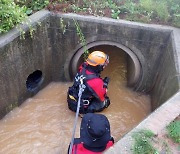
93, 82
80, 149
93, 90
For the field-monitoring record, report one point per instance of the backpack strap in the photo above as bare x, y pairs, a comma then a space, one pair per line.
88, 76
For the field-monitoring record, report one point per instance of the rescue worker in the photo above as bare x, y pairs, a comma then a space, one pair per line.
95, 135
94, 97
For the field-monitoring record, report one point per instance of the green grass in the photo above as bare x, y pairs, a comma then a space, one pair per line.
174, 131
142, 142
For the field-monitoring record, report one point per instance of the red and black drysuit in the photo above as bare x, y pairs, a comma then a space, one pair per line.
80, 148
94, 98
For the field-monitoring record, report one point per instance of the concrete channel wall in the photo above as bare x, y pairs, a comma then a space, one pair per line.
19, 58
166, 82
147, 43
153, 47
55, 42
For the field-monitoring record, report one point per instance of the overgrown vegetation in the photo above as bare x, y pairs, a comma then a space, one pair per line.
79, 33
32, 5
146, 142
10, 15
148, 11
13, 12
82, 39
142, 144
174, 131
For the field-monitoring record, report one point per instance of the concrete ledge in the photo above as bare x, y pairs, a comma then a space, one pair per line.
155, 122
105, 20
31, 21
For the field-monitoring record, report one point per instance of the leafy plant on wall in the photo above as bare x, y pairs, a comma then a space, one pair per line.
81, 38
10, 15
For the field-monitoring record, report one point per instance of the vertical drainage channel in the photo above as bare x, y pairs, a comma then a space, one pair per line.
34, 80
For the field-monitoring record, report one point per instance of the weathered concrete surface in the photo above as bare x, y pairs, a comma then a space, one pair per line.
166, 82
155, 122
53, 46
153, 45
21, 57
147, 43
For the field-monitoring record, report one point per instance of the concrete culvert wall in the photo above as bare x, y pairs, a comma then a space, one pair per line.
147, 45
134, 67
166, 81
21, 57
55, 49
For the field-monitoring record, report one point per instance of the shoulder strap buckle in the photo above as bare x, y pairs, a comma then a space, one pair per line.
81, 78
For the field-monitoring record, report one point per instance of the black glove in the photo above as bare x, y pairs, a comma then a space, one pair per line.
106, 82
107, 102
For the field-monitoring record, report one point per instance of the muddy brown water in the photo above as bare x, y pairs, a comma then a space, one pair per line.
43, 124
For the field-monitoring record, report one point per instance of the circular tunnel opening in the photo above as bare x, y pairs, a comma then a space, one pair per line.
133, 66
34, 80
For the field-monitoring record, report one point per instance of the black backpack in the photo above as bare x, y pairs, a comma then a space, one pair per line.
72, 96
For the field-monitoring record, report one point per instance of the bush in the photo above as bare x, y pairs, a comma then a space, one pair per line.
155, 9
174, 9
32, 5
10, 15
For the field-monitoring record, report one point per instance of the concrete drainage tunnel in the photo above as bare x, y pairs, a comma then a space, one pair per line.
34, 89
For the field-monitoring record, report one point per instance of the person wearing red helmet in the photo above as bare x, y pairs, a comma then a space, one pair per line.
94, 97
